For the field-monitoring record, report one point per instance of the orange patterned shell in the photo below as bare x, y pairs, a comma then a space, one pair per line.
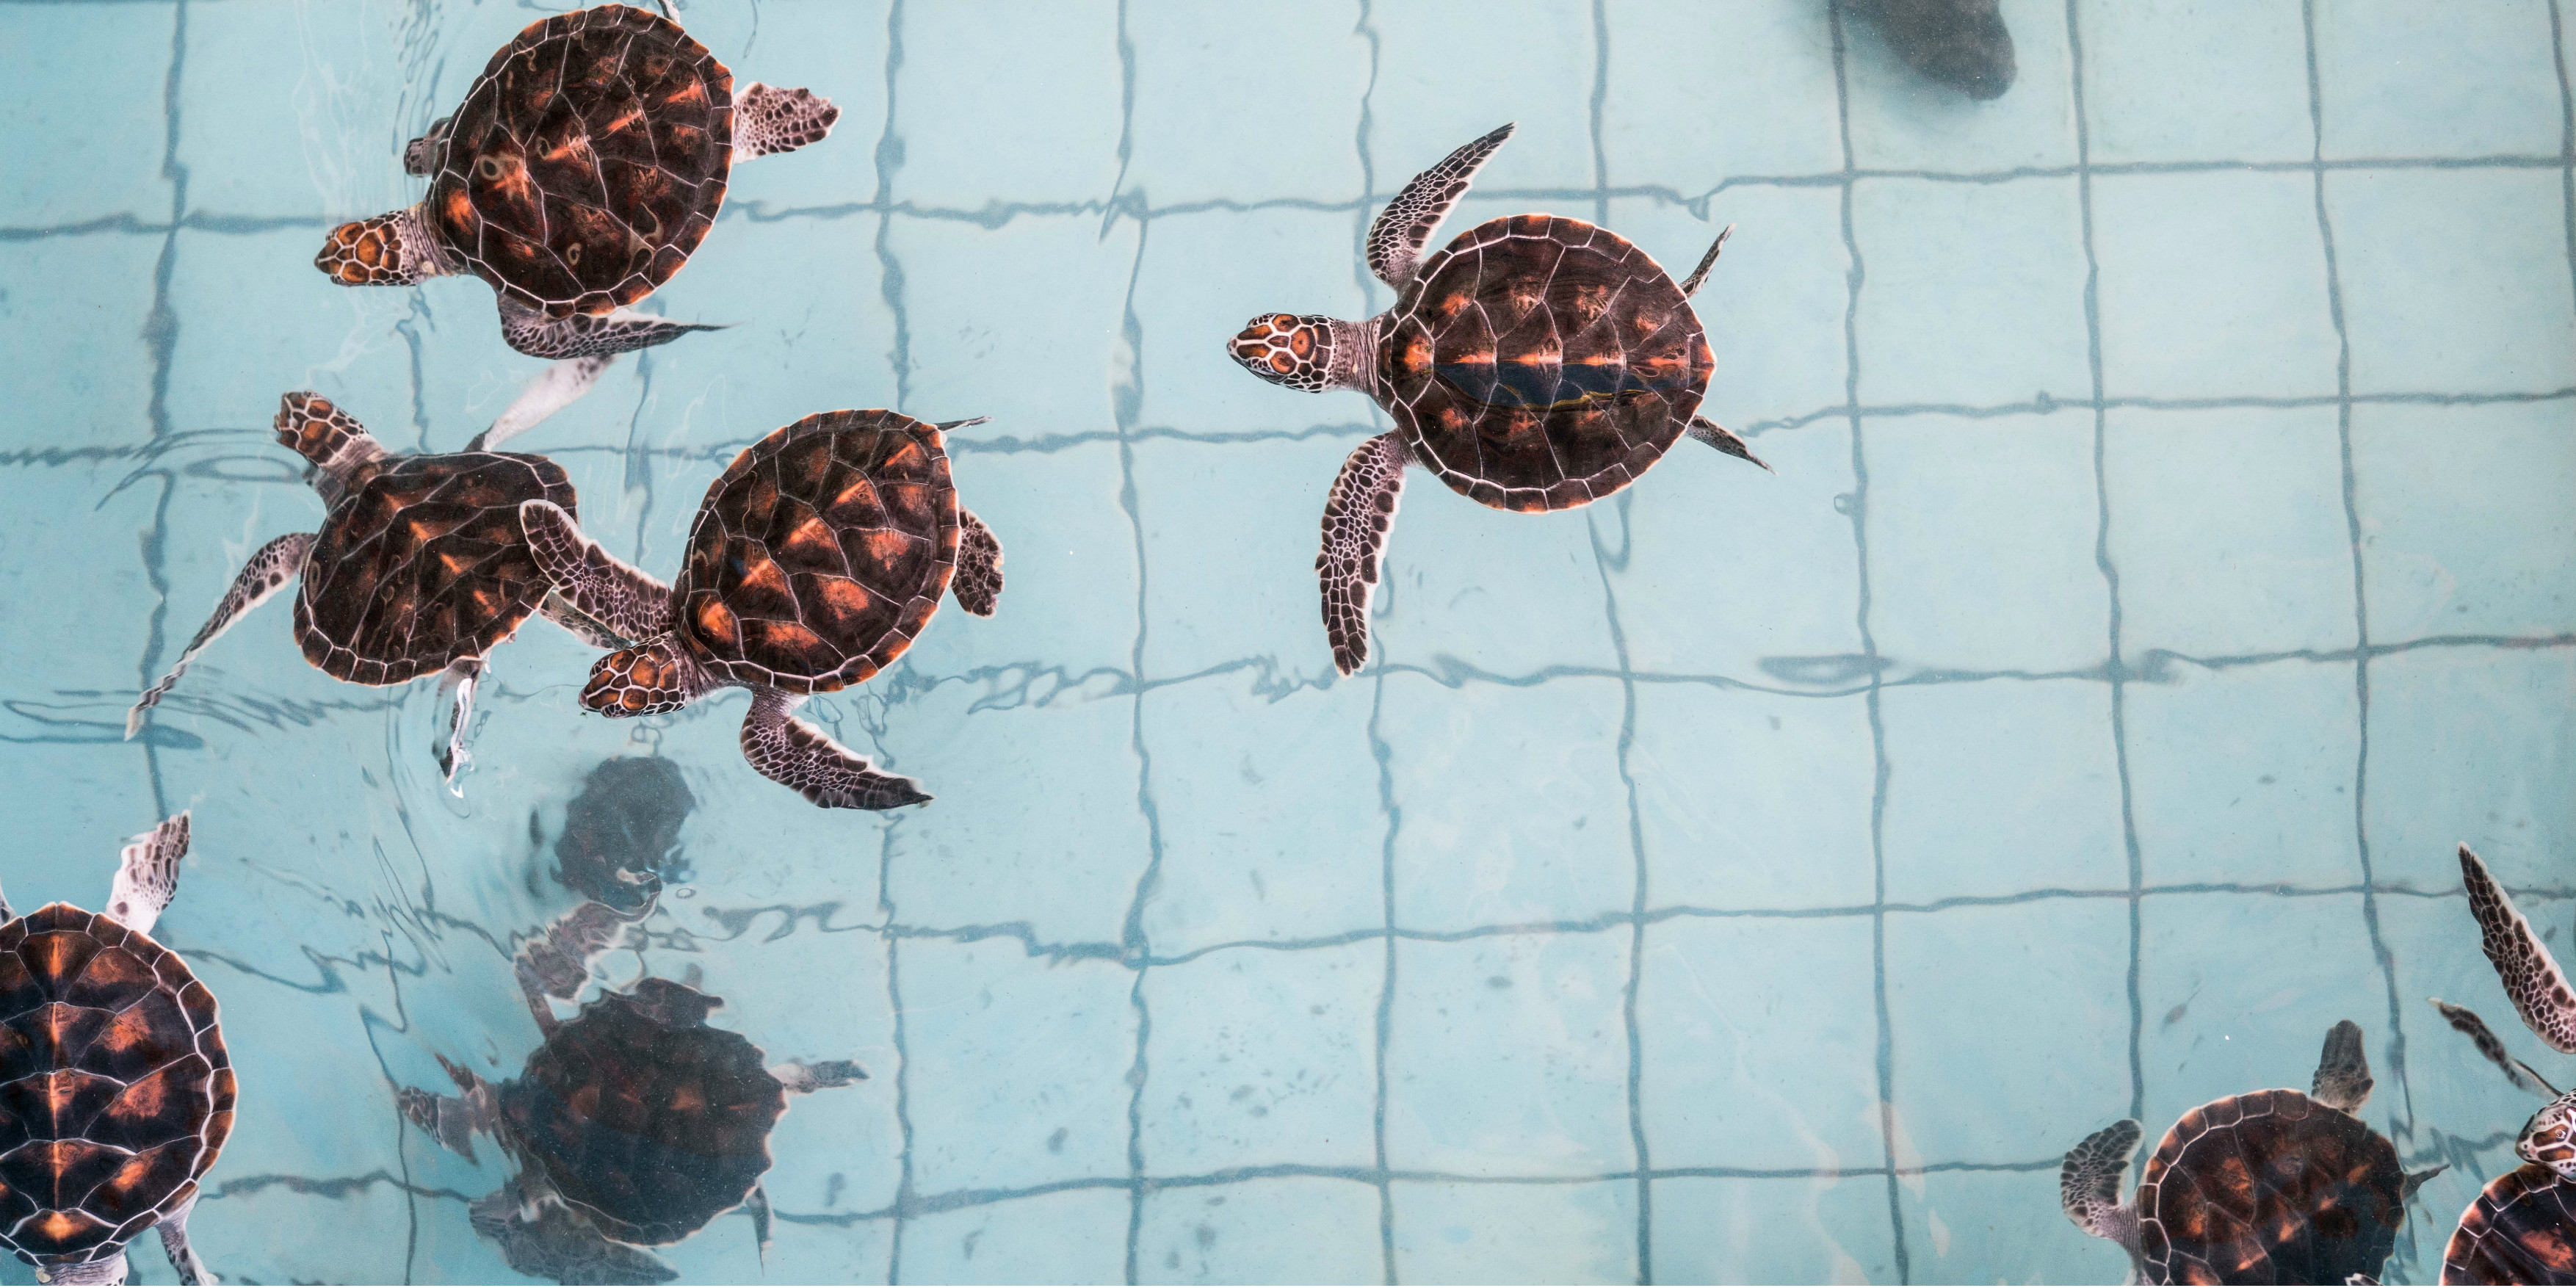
587, 161
116, 1093
821, 553
2520, 1230
2268, 1187
1541, 363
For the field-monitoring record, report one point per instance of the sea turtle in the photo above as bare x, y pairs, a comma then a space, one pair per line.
815, 561
1535, 363
1960, 43
634, 1124
420, 566
623, 828
2264, 1187
116, 1093
2522, 1229
585, 164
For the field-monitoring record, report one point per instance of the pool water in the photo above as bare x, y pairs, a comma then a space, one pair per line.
1746, 877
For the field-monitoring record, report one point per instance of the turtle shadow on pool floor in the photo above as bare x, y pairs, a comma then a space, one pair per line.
621, 832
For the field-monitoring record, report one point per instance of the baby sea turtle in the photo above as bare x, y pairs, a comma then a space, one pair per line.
586, 163
1960, 43
815, 561
116, 1093
2522, 1228
623, 828
634, 1125
420, 566
1535, 363
2261, 1188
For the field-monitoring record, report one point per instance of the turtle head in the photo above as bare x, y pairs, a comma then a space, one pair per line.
647, 679
1300, 351
420, 156
2549, 1139
385, 250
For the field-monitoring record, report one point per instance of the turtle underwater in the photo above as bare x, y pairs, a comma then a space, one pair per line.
634, 1124
116, 1093
1535, 363
2522, 1228
816, 559
419, 568
584, 166
2259, 1188
1960, 43
624, 827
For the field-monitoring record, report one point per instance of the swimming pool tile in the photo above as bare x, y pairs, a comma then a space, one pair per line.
1506, 1057
1510, 802
1073, 1237
2472, 745
966, 286
1235, 106
105, 281
1016, 1069
2058, 1070
1242, 860
858, 1252
1772, 1230
2504, 296
322, 134
1288, 1229
2475, 82
1961, 1223
1999, 787
2213, 286
1230, 538
1748, 799
1759, 1043
1901, 120
95, 98
2263, 1002
1941, 320
1436, 89
2172, 80
1685, 94
1981, 544
2228, 531
2464, 521
1461, 1232
964, 147
1260, 1057
2244, 774
1464, 587
1068, 614
837, 50
1201, 276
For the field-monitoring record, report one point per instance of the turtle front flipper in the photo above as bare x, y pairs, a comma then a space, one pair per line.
792, 753
547, 1239
2521, 1075
268, 572
2531, 976
174, 1242
977, 583
601, 586
557, 962
2089, 1182
1396, 239
553, 389
147, 874
769, 120
1357, 515
396, 248
585, 335
2343, 1070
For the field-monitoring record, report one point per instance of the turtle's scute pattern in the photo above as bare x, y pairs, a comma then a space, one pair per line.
1541, 363
653, 1123
2268, 1187
587, 161
821, 552
2520, 1230
116, 1092
424, 562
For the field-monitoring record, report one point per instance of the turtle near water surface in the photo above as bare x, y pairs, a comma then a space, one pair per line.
1534, 363
116, 1092
2265, 1187
816, 559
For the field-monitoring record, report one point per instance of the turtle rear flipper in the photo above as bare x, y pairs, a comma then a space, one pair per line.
1724, 440
269, 571
1357, 514
2531, 976
147, 874
2088, 1183
768, 120
801, 1076
2343, 1070
792, 753
586, 335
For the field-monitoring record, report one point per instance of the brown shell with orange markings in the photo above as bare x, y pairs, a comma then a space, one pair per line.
2269, 1187
642, 1116
821, 552
587, 161
422, 563
2520, 1230
1541, 363
115, 1090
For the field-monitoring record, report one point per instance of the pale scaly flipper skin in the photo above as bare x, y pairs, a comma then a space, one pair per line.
105, 1270
2466, 1021
977, 583
174, 1242
794, 754
456, 687
2531, 977
588, 335
2343, 1070
545, 1238
553, 389
1405, 227
1699, 275
768, 120
1701, 427
599, 585
1357, 514
804, 1077
556, 963
271, 569
453, 1120
147, 875
2089, 1183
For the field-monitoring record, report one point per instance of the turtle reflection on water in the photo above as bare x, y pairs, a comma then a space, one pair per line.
623, 828
634, 1125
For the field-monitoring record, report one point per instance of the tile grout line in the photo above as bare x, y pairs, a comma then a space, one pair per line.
888, 158
2566, 132
161, 341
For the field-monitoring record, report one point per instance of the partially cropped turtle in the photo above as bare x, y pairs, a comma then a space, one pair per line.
420, 567
2267, 1187
816, 559
634, 1125
2522, 1228
586, 163
116, 1093
1535, 363
1960, 43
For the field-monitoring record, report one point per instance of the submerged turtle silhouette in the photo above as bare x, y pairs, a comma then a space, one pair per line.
1960, 43
116, 1093
1535, 363
623, 828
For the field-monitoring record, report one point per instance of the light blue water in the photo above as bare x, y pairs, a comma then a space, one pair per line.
1749, 877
